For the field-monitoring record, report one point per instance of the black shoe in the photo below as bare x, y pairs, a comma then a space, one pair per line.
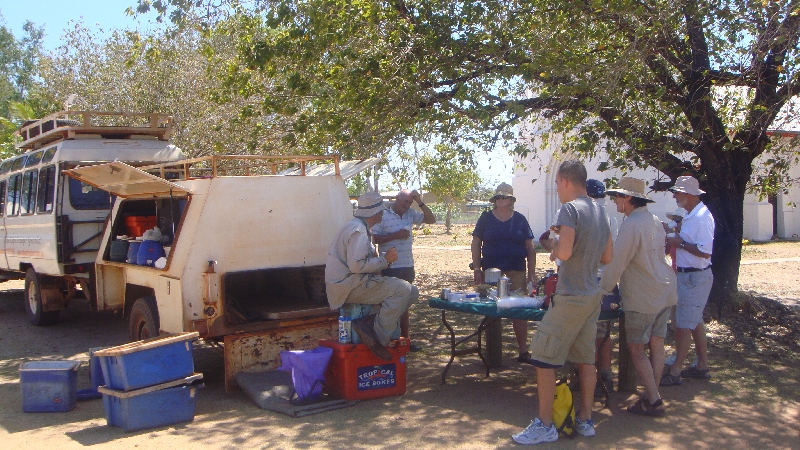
365, 329
524, 358
414, 348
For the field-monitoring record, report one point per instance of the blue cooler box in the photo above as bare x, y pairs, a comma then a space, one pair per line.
49, 386
147, 363
151, 407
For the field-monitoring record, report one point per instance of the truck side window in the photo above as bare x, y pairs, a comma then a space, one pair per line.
2, 197
86, 196
12, 197
30, 180
48, 155
47, 189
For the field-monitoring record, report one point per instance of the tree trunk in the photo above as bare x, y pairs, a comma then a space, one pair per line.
447, 223
725, 185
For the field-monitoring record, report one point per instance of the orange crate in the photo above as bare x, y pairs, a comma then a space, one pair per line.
355, 373
137, 225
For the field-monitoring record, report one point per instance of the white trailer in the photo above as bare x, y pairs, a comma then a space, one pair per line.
247, 239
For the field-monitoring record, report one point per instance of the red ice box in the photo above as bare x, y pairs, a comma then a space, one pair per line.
355, 373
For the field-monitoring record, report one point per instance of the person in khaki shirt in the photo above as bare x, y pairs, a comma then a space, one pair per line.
647, 285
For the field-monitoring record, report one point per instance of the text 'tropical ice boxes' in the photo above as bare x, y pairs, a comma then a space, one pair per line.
152, 407
49, 386
148, 362
355, 373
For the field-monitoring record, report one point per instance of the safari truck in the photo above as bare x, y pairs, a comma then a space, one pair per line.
245, 238
50, 224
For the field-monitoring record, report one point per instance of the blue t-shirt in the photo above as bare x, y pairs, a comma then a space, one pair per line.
503, 243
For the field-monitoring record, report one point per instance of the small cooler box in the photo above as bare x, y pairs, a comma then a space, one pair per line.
155, 406
355, 373
49, 386
147, 363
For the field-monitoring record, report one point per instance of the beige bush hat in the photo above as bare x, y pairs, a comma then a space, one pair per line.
504, 190
688, 185
679, 213
369, 204
630, 186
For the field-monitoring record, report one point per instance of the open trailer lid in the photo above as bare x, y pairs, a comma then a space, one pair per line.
125, 181
347, 169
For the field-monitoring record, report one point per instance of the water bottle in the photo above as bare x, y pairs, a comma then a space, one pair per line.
502, 286
345, 329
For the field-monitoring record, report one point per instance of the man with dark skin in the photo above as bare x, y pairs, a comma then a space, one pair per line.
394, 231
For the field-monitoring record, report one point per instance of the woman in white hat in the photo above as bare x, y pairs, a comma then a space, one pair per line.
503, 239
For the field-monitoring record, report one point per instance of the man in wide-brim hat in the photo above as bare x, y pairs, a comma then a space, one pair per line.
630, 187
352, 275
695, 243
647, 287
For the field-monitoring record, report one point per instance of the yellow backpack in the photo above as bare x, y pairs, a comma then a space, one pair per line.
563, 412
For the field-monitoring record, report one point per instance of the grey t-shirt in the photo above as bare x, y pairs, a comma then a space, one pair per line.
578, 274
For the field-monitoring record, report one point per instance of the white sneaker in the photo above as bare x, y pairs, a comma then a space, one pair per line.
584, 428
536, 433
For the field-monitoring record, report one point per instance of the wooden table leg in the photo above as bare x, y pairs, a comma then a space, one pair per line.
627, 372
494, 343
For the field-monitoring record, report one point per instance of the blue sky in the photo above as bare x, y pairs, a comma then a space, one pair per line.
56, 16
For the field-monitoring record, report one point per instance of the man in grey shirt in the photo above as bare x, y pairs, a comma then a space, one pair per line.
568, 328
352, 275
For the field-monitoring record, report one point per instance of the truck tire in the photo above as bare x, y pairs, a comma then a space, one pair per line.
33, 302
144, 323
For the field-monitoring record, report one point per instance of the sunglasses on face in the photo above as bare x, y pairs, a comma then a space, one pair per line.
503, 197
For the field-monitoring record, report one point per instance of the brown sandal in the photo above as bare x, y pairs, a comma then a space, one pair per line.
643, 407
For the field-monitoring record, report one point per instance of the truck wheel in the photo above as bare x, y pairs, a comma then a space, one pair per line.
144, 322
33, 302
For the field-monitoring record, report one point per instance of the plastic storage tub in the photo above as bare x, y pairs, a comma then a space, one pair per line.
137, 225
147, 363
151, 407
49, 386
355, 373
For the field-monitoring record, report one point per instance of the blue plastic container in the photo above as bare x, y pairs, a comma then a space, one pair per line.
133, 251
152, 407
49, 386
149, 252
95, 368
147, 363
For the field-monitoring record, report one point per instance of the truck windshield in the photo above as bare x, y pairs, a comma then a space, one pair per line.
85, 196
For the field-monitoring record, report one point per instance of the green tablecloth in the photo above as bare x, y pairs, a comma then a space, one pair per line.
489, 308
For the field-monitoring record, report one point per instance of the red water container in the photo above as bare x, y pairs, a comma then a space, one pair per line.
549, 289
355, 373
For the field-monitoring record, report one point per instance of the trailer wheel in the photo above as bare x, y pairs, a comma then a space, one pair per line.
144, 322
33, 302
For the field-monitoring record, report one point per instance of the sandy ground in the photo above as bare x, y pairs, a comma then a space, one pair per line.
752, 401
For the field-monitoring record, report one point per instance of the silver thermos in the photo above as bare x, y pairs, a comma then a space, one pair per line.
502, 287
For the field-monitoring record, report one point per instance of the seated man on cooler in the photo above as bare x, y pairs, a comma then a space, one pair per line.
352, 275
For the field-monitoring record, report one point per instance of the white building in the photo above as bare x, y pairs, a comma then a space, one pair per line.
535, 190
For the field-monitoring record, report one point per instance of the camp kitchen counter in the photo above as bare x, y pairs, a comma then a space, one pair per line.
491, 353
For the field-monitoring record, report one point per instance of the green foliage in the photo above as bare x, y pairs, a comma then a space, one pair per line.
450, 173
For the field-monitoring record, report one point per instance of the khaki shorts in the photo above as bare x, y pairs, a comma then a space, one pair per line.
567, 331
640, 327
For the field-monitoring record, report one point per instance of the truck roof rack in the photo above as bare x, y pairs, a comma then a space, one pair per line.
109, 125
242, 165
